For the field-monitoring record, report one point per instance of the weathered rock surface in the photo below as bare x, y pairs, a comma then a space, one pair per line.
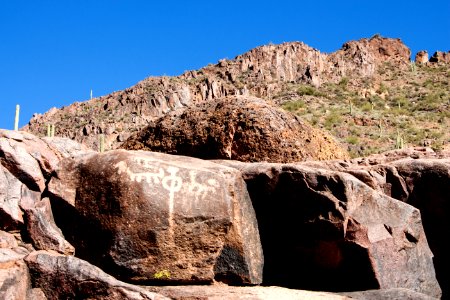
417, 176
238, 128
26, 165
68, 277
14, 276
324, 229
11, 216
421, 57
149, 217
389, 294
279, 293
260, 72
241, 293
440, 57
41, 227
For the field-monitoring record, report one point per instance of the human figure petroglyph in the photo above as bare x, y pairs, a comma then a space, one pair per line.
172, 183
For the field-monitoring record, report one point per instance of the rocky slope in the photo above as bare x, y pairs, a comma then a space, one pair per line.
317, 85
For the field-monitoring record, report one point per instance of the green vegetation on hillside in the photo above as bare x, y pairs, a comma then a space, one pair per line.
369, 114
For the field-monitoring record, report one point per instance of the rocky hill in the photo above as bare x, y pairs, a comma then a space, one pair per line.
368, 94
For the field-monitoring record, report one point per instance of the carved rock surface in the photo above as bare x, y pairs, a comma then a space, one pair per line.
327, 230
68, 277
238, 128
155, 217
260, 72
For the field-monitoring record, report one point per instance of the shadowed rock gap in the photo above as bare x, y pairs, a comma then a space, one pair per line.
298, 255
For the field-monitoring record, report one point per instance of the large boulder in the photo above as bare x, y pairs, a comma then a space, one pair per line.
26, 164
326, 230
238, 128
68, 277
148, 217
419, 177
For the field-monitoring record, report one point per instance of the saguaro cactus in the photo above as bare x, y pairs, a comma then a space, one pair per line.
399, 144
16, 118
50, 130
102, 143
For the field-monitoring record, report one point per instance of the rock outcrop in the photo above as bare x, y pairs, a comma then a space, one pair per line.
419, 177
27, 163
261, 72
157, 216
440, 57
421, 57
68, 277
327, 230
239, 128
154, 218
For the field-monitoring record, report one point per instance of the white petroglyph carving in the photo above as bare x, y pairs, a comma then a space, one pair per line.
201, 190
168, 178
155, 178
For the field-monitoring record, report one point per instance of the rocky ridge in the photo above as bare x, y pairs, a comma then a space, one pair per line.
266, 72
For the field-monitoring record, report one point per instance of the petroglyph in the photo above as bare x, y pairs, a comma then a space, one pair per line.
170, 181
173, 184
201, 190
150, 177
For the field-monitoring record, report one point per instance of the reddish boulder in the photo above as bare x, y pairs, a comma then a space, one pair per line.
327, 230
238, 128
41, 227
419, 177
11, 216
158, 217
14, 276
26, 165
67, 277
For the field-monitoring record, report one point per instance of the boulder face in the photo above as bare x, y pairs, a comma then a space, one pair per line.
324, 229
237, 128
419, 177
149, 217
27, 163
68, 277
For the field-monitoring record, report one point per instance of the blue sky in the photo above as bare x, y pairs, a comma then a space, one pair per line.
52, 53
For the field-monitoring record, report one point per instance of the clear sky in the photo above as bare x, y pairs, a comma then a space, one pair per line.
52, 53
